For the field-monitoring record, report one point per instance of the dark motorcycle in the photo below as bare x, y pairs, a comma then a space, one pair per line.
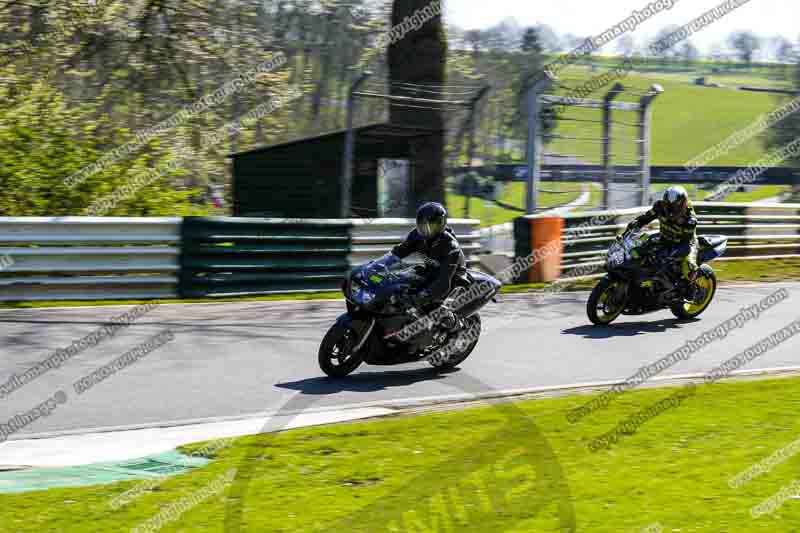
382, 328
644, 276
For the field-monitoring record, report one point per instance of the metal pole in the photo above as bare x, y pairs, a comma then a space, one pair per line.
534, 150
645, 138
471, 147
608, 175
346, 179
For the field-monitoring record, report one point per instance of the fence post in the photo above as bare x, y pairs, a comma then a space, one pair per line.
346, 179
534, 149
645, 138
608, 174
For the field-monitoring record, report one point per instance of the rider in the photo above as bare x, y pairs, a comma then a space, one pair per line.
446, 265
678, 222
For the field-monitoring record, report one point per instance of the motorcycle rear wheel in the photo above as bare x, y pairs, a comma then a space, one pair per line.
462, 345
707, 283
335, 352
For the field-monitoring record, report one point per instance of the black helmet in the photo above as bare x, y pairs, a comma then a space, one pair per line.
676, 200
431, 219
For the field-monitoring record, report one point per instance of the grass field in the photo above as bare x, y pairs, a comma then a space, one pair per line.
761, 192
551, 194
687, 119
498, 468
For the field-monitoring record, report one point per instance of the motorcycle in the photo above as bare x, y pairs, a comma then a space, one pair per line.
382, 328
644, 277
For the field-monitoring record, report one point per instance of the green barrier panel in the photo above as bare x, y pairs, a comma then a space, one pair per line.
150, 467
225, 256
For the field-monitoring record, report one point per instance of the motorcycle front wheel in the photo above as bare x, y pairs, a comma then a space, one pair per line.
603, 307
336, 357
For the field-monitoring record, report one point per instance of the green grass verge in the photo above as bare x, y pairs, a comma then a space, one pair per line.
480, 469
768, 270
758, 270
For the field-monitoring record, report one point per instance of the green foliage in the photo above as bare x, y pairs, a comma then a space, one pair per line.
43, 141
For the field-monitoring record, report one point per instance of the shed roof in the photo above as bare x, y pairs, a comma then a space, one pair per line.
377, 131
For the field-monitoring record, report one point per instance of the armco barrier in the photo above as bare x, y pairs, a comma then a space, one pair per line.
88, 258
754, 231
222, 256
251, 256
373, 238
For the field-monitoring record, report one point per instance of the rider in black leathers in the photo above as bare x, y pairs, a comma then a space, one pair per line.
444, 259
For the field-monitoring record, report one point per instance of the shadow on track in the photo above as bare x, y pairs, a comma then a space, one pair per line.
626, 329
365, 381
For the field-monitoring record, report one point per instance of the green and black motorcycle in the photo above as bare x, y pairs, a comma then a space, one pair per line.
644, 277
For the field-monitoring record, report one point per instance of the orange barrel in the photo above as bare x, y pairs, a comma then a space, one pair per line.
546, 246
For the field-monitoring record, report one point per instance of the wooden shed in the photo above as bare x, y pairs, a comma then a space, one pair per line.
304, 178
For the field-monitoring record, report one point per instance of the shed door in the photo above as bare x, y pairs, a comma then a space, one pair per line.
394, 188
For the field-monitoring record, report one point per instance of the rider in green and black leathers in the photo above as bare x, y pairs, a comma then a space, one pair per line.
678, 229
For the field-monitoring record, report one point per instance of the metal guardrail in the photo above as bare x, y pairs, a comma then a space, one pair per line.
225, 256
755, 231
88, 258
373, 238
251, 256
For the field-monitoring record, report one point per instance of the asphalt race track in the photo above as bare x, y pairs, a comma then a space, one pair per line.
236, 359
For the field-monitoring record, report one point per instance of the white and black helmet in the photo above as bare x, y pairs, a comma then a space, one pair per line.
431, 219
676, 200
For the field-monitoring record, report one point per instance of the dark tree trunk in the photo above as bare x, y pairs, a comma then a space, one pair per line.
419, 58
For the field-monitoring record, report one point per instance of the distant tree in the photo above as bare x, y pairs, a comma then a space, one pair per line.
475, 40
549, 39
504, 36
570, 41
746, 43
783, 49
662, 34
688, 52
531, 42
529, 64
626, 45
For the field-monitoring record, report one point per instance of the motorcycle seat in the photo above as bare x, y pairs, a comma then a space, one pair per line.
712, 241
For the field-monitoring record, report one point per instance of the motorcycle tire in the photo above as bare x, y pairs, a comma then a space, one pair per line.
596, 300
339, 339
688, 311
464, 345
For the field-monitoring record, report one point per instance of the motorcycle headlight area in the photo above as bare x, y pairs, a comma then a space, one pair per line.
616, 256
361, 295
